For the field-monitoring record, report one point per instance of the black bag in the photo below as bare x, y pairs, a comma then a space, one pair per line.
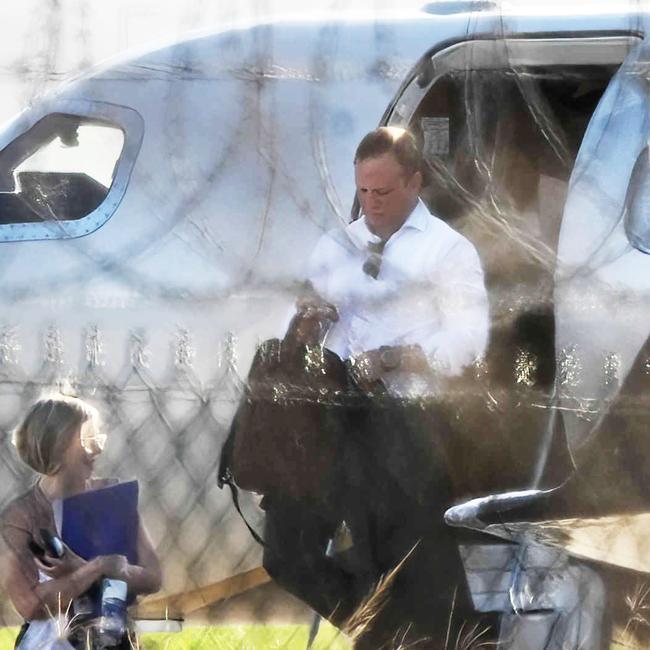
288, 431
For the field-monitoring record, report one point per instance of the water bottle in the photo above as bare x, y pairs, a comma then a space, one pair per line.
111, 626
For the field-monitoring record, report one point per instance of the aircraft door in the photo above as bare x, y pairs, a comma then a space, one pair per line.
500, 122
601, 297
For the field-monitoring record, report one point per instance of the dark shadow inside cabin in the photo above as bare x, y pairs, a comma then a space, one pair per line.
500, 146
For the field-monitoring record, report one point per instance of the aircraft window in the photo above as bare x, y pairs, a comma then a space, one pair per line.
60, 170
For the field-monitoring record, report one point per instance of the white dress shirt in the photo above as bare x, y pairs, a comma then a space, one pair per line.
429, 292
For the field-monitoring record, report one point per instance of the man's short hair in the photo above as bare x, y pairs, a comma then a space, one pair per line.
397, 141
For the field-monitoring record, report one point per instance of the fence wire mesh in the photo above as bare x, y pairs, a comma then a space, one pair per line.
167, 435
501, 163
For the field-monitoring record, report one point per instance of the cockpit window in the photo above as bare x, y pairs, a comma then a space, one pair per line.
59, 170
64, 171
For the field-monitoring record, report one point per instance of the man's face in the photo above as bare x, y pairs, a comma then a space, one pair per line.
387, 195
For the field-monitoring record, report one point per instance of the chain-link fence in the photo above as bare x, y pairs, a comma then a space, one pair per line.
167, 435
501, 160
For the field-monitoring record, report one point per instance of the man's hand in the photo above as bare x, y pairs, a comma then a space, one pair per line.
313, 318
367, 368
373, 365
413, 359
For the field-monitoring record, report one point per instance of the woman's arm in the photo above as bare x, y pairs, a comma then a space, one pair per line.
146, 576
54, 596
71, 576
142, 578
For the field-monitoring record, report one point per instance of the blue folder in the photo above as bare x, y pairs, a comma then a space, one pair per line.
103, 522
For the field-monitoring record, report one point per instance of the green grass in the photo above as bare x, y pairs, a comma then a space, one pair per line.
246, 637
233, 637
8, 637
228, 637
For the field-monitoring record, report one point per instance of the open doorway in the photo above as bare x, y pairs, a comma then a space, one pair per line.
500, 123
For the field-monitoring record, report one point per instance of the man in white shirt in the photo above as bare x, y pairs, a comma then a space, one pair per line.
408, 289
412, 306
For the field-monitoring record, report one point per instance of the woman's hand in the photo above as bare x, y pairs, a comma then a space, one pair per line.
111, 566
57, 567
115, 566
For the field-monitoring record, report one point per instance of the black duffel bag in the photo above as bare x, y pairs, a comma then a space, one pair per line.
289, 429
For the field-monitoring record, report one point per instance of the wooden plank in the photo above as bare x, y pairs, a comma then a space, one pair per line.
177, 606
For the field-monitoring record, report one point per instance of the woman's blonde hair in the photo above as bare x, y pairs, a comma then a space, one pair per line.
48, 428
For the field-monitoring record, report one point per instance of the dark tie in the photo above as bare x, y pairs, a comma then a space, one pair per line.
373, 263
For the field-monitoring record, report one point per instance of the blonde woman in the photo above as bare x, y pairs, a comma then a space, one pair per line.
60, 439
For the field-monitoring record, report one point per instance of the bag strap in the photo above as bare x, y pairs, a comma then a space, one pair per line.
225, 477
234, 492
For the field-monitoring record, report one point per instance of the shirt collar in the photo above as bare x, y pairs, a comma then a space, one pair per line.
417, 219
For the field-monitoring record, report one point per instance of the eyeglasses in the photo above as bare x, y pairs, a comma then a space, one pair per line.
372, 265
92, 441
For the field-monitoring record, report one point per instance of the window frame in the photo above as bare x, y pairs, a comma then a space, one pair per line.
128, 120
490, 53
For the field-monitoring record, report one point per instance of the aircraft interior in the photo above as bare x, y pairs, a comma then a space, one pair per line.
500, 146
